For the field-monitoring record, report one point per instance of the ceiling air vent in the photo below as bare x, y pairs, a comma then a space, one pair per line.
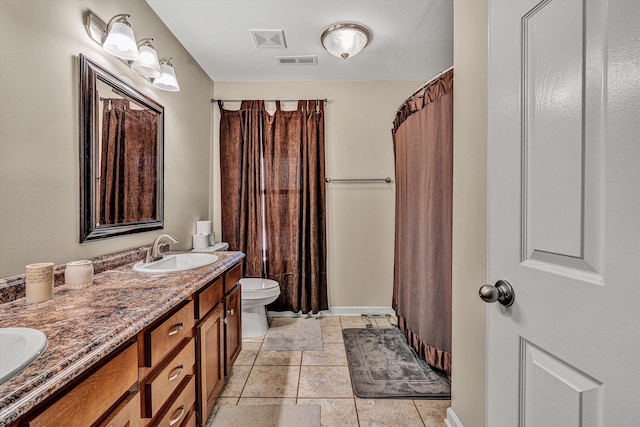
268, 38
297, 60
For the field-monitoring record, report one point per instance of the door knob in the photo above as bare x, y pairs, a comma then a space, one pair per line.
501, 292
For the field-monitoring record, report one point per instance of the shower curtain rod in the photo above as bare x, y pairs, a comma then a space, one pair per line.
424, 85
266, 100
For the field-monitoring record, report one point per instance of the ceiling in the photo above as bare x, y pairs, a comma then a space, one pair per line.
412, 39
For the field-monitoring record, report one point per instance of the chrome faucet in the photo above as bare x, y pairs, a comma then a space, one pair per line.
153, 254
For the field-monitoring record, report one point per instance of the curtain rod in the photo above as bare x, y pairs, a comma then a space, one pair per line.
424, 85
267, 100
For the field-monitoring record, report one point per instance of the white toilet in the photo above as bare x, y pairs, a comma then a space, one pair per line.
257, 293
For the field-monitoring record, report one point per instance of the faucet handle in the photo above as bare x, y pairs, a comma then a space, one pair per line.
147, 258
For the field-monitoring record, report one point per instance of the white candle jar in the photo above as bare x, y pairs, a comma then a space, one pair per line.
78, 274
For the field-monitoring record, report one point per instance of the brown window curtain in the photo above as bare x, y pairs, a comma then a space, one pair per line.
128, 166
423, 146
240, 145
292, 226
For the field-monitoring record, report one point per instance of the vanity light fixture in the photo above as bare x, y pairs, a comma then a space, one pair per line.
346, 39
167, 81
120, 40
147, 63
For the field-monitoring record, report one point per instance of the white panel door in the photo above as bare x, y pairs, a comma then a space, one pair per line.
564, 213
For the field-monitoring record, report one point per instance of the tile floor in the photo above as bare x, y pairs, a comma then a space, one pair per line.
261, 377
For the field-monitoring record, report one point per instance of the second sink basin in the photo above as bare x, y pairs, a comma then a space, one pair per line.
176, 262
18, 348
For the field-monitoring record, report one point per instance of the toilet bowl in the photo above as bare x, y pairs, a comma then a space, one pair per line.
257, 293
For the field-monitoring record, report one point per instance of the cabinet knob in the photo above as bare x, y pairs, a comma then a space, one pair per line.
231, 312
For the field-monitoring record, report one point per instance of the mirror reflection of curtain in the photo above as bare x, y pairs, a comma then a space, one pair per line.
279, 222
127, 164
423, 146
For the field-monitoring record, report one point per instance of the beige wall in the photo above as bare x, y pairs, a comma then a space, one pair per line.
39, 173
469, 209
360, 217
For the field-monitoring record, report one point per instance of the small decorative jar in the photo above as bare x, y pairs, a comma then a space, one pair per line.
78, 274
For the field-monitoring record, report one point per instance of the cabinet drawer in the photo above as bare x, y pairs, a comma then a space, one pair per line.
232, 277
160, 340
89, 400
209, 298
127, 414
159, 386
176, 412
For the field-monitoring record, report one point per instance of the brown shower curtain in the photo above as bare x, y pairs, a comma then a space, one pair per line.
290, 147
128, 169
423, 146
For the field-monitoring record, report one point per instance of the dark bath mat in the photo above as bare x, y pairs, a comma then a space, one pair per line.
383, 365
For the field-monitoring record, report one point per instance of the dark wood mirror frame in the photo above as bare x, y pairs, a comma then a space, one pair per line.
90, 229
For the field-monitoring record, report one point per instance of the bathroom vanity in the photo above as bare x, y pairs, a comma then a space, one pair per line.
132, 349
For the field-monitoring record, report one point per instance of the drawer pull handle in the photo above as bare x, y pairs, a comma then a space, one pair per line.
179, 370
176, 329
176, 419
231, 312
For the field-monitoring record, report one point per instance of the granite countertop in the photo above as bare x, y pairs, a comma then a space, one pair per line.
84, 325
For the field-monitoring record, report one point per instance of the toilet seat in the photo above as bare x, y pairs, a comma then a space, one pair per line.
256, 288
256, 283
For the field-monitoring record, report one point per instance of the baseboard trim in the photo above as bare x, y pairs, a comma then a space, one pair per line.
452, 419
342, 311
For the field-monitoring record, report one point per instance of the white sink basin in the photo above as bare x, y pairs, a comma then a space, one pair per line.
18, 348
177, 262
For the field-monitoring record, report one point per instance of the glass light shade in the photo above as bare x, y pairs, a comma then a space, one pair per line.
120, 40
167, 81
147, 63
345, 40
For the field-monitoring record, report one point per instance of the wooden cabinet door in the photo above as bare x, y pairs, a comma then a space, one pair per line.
210, 360
233, 327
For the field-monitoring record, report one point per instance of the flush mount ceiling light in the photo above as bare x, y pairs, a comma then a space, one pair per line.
147, 63
345, 40
167, 81
120, 40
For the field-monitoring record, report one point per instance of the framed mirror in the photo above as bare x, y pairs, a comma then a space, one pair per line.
121, 156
